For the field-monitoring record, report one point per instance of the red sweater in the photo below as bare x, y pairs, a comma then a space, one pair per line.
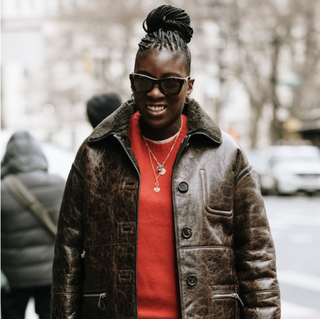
157, 281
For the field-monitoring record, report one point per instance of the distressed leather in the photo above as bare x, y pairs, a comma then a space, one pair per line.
230, 252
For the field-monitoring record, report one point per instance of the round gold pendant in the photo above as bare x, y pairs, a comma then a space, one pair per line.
157, 189
163, 171
159, 168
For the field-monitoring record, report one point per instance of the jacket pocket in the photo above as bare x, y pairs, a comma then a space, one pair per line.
216, 195
226, 303
98, 298
227, 295
95, 305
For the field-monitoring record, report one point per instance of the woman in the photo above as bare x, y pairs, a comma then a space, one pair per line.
162, 215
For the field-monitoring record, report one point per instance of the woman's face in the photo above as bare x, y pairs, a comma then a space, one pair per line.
161, 114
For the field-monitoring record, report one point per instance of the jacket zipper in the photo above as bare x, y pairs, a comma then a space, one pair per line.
227, 295
101, 304
137, 210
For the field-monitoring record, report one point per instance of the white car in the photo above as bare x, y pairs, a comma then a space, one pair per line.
288, 169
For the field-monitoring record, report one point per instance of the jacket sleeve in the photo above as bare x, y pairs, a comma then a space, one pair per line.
67, 265
254, 248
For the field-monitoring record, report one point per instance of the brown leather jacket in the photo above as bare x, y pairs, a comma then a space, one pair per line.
225, 253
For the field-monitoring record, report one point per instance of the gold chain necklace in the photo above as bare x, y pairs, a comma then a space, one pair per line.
160, 168
157, 188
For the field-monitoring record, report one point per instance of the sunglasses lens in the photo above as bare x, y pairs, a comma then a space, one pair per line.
171, 86
142, 83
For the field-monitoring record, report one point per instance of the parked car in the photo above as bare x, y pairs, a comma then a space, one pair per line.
288, 169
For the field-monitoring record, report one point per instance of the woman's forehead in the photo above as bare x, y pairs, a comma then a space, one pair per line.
162, 61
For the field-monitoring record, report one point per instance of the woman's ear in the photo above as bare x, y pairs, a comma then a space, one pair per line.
190, 86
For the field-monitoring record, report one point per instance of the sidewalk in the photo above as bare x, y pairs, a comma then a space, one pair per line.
292, 311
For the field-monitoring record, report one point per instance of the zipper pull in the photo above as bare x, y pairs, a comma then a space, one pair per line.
223, 295
101, 304
83, 254
239, 299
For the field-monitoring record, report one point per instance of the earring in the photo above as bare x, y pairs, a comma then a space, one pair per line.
187, 100
132, 97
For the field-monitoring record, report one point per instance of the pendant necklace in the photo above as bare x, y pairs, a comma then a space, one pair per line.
157, 188
160, 168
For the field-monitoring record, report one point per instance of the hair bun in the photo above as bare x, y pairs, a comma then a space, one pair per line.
169, 18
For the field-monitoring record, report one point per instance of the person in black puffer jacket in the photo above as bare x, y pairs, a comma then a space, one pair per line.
27, 248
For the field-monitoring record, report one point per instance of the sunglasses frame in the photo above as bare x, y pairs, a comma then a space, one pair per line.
154, 81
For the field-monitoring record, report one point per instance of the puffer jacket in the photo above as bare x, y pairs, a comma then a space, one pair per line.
225, 253
27, 249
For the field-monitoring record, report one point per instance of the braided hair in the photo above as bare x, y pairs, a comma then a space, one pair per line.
167, 27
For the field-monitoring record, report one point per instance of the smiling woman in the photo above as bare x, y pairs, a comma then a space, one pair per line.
162, 215
162, 103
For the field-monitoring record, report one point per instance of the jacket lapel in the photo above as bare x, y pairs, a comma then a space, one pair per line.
199, 122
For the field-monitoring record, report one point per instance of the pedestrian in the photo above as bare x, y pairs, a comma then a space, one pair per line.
162, 215
101, 106
27, 248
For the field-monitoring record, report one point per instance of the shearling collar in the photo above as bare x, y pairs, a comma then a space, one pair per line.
199, 122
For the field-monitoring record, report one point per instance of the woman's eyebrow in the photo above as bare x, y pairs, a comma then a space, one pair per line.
166, 75
171, 74
143, 72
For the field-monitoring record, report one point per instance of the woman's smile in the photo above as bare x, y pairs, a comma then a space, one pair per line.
156, 109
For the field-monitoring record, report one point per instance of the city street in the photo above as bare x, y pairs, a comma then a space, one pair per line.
295, 225
66, 66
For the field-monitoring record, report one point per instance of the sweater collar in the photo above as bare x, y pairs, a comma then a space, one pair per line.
117, 123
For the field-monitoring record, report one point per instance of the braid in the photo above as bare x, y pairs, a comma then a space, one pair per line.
167, 27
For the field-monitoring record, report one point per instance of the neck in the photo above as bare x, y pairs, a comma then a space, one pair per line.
159, 134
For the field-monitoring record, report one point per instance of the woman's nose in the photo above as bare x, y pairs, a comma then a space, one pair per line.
155, 93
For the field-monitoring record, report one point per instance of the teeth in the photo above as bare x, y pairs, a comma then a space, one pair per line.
155, 108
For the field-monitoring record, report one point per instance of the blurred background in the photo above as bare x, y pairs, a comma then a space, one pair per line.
257, 70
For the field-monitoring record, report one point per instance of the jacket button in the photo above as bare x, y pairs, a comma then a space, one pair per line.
186, 232
183, 187
192, 280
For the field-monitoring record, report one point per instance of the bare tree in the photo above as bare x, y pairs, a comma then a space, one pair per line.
277, 44
267, 45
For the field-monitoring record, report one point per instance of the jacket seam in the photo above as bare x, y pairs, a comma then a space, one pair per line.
260, 291
118, 138
175, 222
107, 245
77, 171
258, 279
65, 293
242, 174
206, 247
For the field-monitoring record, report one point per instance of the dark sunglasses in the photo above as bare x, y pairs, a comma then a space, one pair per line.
144, 83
